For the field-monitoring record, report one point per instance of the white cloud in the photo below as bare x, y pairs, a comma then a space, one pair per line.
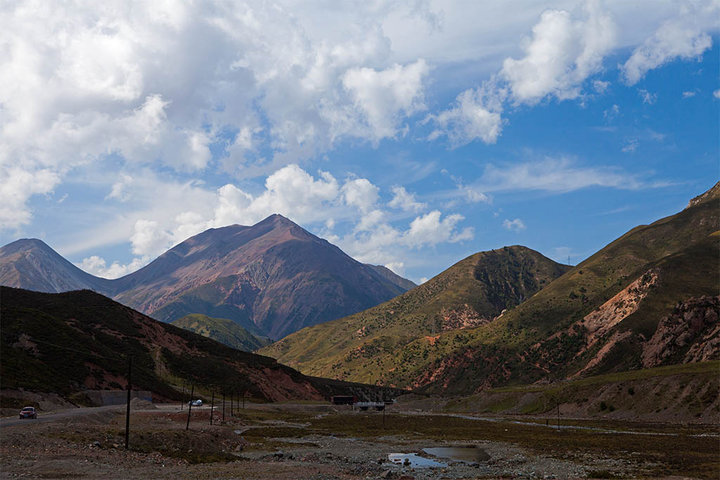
98, 266
473, 195
476, 114
405, 201
360, 193
689, 94
562, 53
682, 37
156, 84
370, 221
600, 86
148, 238
554, 175
516, 225
716, 93
382, 96
17, 185
430, 229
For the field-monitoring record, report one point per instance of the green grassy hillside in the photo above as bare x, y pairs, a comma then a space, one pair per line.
627, 287
222, 330
377, 345
544, 337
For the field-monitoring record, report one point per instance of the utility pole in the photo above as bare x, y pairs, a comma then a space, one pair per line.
192, 393
127, 412
223, 405
212, 406
558, 414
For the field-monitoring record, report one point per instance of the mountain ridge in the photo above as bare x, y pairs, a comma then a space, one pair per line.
271, 278
463, 296
593, 319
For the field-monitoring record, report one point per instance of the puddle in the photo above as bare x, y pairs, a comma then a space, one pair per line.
463, 454
414, 461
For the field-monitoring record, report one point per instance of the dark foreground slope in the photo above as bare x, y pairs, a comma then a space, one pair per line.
380, 344
70, 342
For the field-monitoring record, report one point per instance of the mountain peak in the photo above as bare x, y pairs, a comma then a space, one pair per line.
714, 192
25, 244
277, 220
32, 264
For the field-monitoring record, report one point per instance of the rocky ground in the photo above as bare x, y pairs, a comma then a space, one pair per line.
323, 442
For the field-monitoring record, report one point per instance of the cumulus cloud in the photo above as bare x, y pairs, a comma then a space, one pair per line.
516, 225
17, 185
476, 114
682, 37
148, 239
290, 191
382, 96
360, 193
716, 93
562, 53
98, 266
83, 84
383, 243
405, 200
431, 229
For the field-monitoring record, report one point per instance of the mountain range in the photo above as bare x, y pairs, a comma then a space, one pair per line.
272, 278
509, 316
648, 299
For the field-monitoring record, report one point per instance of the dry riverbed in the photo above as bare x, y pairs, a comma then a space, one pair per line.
324, 442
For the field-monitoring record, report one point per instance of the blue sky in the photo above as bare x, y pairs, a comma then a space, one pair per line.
411, 134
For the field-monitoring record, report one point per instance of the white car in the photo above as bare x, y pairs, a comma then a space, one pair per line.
195, 403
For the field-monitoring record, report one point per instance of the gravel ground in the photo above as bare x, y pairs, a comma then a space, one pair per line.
90, 446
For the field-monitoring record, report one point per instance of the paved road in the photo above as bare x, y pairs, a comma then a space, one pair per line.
60, 415
77, 412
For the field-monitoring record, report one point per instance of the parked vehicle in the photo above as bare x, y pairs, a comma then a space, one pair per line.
195, 403
28, 412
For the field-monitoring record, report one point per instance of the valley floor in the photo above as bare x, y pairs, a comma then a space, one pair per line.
323, 442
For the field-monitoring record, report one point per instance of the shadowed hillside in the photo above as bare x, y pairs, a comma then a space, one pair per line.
69, 342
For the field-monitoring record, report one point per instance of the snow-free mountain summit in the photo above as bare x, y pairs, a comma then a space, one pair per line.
272, 278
